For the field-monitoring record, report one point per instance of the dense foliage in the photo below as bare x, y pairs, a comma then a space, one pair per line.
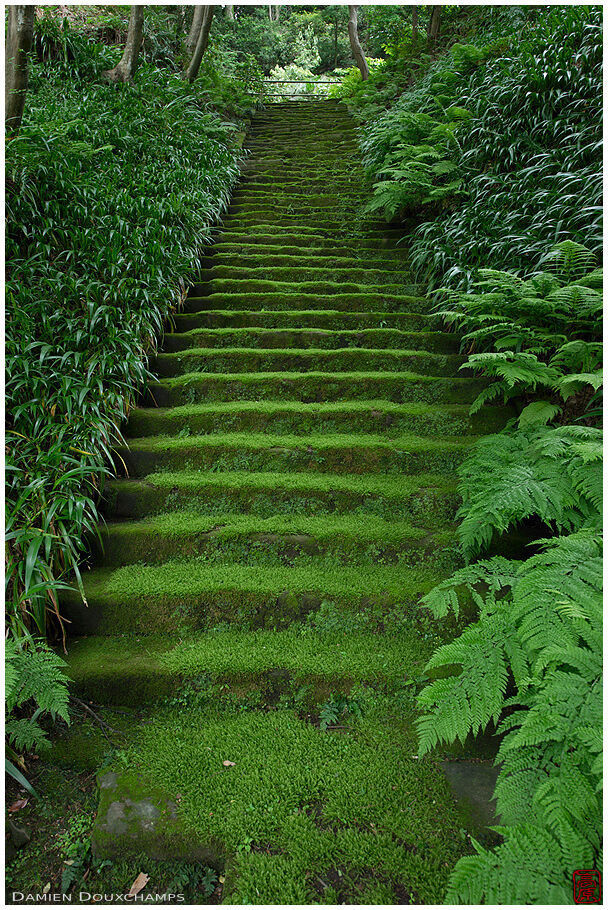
111, 193
531, 662
497, 197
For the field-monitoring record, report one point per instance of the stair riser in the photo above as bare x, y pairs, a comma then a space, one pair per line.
251, 361
272, 236
324, 257
312, 388
197, 612
295, 275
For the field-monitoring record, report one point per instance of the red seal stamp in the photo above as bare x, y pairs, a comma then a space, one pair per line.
587, 886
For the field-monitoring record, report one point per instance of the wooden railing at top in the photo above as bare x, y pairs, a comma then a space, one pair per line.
295, 95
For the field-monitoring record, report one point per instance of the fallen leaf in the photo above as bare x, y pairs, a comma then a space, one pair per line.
140, 882
228, 764
18, 804
46, 888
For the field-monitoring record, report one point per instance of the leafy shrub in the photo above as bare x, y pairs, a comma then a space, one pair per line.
536, 180
111, 194
501, 195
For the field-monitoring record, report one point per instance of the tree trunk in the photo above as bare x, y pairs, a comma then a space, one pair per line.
229, 11
19, 39
355, 43
434, 24
125, 69
201, 44
414, 24
195, 30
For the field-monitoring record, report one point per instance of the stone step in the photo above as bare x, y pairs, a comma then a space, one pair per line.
260, 360
329, 339
330, 539
143, 599
297, 417
422, 500
256, 257
294, 320
193, 388
346, 453
359, 274
134, 671
223, 295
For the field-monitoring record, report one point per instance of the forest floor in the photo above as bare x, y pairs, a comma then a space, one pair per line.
252, 638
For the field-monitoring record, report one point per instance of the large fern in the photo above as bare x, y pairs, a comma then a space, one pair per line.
35, 685
540, 625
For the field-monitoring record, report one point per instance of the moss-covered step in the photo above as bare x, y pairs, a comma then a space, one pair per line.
330, 417
332, 320
358, 274
285, 339
293, 320
340, 453
287, 254
328, 539
136, 670
198, 594
422, 499
286, 297
313, 386
255, 258
260, 360
266, 236
302, 815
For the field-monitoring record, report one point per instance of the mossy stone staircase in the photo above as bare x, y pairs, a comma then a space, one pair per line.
290, 496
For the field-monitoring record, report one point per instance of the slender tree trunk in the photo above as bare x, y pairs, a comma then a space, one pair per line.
201, 44
19, 37
355, 44
229, 11
434, 24
414, 24
335, 43
125, 68
195, 30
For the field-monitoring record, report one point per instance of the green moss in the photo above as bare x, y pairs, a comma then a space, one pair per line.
225, 360
329, 541
339, 453
106, 667
299, 803
289, 319
279, 417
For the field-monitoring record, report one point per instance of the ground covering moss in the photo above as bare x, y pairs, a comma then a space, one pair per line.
303, 811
